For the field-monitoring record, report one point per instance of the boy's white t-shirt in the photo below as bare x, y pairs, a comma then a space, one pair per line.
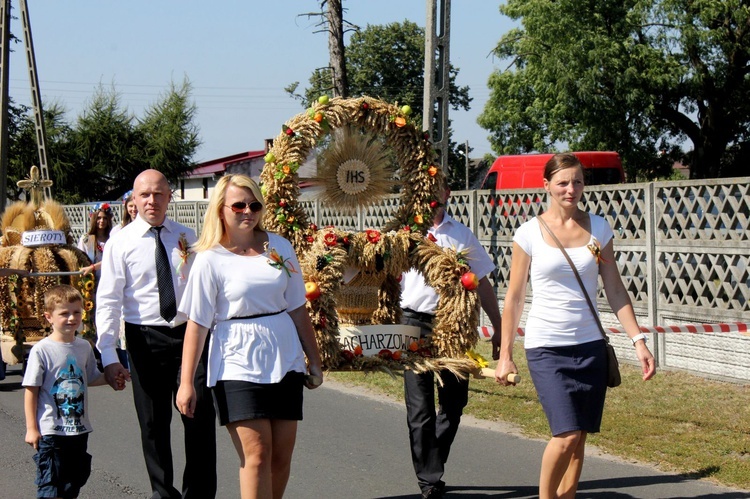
559, 314
62, 371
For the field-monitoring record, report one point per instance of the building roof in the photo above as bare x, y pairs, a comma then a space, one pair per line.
214, 166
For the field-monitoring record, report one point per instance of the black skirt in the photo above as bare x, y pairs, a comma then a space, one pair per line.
243, 400
570, 382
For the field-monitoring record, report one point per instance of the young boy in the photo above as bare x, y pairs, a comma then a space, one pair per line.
58, 372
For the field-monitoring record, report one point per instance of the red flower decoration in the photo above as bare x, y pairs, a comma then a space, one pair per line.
373, 236
348, 355
425, 352
431, 238
385, 354
330, 239
407, 228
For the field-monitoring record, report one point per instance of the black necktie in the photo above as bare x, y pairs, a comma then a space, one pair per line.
167, 301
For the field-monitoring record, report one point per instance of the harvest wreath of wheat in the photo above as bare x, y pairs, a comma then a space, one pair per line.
353, 277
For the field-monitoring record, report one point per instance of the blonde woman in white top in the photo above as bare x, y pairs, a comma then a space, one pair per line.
246, 285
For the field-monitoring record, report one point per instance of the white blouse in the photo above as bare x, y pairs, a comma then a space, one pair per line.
559, 314
223, 285
88, 244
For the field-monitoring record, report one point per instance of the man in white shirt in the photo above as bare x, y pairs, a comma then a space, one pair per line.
431, 434
144, 272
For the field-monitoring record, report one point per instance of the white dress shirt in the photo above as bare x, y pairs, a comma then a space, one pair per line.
128, 286
415, 293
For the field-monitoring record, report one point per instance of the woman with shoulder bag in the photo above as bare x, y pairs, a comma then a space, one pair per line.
565, 350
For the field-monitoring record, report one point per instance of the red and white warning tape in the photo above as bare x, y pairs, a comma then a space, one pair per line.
733, 327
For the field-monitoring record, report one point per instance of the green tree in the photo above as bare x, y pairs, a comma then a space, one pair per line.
99, 156
387, 62
23, 152
641, 78
107, 146
170, 134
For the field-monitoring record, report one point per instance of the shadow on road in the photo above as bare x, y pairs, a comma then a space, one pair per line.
589, 489
10, 387
608, 488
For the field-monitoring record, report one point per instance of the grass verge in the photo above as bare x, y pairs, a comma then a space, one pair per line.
678, 422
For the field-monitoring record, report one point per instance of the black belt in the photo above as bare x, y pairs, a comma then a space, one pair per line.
176, 332
420, 316
256, 316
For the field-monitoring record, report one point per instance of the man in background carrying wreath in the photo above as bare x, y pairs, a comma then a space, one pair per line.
431, 434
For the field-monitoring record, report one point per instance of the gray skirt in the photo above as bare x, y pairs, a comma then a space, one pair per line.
570, 382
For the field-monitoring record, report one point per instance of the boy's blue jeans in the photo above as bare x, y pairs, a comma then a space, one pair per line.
62, 465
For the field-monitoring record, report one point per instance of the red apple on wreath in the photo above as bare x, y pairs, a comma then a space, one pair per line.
312, 290
469, 281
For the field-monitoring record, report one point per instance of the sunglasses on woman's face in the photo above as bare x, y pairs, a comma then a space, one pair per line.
240, 207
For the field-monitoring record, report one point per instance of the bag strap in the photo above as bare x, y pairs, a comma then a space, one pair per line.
575, 273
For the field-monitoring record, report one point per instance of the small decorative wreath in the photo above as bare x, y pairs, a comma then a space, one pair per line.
378, 257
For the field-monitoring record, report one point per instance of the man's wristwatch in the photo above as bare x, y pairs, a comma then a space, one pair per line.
637, 337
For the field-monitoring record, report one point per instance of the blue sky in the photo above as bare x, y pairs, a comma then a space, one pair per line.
238, 55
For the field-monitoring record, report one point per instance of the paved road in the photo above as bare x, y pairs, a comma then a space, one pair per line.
350, 446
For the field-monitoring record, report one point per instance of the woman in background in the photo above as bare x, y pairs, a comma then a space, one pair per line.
93, 242
131, 211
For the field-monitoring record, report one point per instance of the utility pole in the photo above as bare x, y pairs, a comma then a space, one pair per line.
437, 77
4, 99
466, 168
36, 98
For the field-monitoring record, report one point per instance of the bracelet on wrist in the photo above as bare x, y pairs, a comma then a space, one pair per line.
641, 336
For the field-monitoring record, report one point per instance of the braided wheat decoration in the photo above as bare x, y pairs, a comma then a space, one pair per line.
379, 255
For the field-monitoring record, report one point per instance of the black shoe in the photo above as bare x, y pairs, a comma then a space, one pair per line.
435, 492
